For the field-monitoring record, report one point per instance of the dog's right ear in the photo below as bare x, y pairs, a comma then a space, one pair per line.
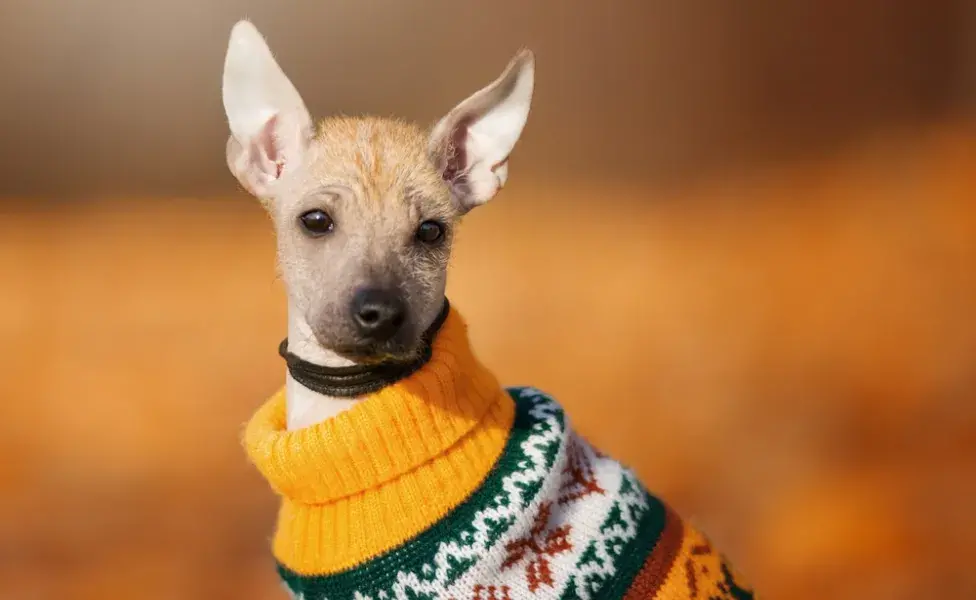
269, 124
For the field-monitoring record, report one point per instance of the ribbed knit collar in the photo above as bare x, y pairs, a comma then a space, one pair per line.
389, 433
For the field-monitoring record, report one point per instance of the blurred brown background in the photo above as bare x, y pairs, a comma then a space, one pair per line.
738, 243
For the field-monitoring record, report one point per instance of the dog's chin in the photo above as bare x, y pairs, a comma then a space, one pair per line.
374, 354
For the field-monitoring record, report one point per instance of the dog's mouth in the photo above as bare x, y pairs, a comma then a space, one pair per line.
379, 353
406, 346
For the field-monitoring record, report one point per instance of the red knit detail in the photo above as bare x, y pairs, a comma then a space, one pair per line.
539, 546
581, 481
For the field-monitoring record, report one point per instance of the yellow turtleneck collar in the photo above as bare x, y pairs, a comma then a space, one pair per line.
374, 476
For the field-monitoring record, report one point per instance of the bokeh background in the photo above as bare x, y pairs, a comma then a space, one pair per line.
738, 243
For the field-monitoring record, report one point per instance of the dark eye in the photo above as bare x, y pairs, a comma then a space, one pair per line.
430, 232
317, 222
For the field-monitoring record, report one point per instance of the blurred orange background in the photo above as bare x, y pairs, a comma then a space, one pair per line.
738, 243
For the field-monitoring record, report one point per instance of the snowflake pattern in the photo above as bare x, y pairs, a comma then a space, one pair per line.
539, 546
580, 480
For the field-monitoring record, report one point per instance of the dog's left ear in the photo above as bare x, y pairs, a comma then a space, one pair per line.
472, 143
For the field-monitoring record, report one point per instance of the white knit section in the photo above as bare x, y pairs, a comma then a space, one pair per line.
546, 411
583, 517
633, 505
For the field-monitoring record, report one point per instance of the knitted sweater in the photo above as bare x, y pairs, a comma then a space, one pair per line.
448, 486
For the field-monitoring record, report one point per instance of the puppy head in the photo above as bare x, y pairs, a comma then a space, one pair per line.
365, 208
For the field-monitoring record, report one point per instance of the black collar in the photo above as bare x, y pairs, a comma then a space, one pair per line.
358, 380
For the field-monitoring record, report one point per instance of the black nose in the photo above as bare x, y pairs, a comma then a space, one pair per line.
378, 314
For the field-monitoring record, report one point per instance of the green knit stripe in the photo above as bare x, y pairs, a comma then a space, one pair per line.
611, 562
437, 557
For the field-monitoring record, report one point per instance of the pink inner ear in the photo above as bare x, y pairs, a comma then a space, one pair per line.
265, 151
456, 160
497, 166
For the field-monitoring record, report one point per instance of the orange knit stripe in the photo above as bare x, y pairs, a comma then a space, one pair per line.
697, 572
325, 539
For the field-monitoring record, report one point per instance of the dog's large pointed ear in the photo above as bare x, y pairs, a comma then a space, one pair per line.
472, 143
269, 124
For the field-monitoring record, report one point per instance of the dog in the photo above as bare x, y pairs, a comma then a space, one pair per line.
405, 469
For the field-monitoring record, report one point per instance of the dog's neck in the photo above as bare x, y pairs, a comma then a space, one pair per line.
306, 407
